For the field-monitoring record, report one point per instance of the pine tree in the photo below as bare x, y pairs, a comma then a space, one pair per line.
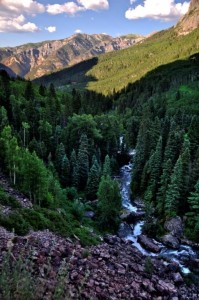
186, 165
154, 169
93, 181
162, 191
174, 189
74, 169
109, 203
106, 166
65, 171
83, 161
59, 156
194, 207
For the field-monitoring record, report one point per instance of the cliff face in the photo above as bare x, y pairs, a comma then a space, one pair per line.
190, 21
34, 60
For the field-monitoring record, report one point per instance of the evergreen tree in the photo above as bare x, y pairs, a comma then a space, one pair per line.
174, 189
65, 171
186, 165
107, 166
109, 203
74, 168
162, 191
59, 156
83, 162
93, 181
154, 166
194, 208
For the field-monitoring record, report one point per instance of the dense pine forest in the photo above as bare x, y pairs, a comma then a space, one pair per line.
61, 150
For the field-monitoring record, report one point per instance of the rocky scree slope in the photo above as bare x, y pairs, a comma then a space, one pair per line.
112, 270
34, 60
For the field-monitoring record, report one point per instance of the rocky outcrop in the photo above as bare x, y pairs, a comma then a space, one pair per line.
34, 60
170, 241
148, 243
175, 227
132, 217
111, 270
190, 21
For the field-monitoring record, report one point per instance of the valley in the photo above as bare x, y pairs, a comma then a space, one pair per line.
82, 215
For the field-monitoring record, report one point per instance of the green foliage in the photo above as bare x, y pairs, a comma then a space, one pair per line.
148, 266
16, 282
8, 200
109, 204
93, 181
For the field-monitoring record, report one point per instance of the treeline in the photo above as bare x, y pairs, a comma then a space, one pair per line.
59, 148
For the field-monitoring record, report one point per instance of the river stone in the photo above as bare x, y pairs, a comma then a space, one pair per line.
148, 243
170, 241
132, 217
124, 230
174, 226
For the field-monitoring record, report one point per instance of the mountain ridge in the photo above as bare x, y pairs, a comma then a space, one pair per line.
36, 59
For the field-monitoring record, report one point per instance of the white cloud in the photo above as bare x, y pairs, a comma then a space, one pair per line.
132, 1
70, 8
166, 10
12, 13
78, 31
16, 7
94, 4
17, 25
51, 29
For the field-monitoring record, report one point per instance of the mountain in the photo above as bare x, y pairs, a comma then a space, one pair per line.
114, 71
191, 20
35, 60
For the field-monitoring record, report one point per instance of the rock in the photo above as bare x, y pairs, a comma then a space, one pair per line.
148, 243
170, 241
177, 278
124, 230
175, 227
132, 217
166, 287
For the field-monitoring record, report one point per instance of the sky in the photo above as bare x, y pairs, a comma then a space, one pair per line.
30, 21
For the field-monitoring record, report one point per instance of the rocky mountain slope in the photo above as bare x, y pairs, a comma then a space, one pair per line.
190, 21
35, 60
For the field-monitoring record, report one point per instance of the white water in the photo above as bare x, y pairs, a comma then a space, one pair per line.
174, 255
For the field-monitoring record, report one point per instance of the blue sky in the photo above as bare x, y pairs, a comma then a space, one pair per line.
24, 21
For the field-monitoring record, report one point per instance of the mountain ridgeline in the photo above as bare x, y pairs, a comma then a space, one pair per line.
34, 60
114, 71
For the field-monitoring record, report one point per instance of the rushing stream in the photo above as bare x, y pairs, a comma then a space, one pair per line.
132, 231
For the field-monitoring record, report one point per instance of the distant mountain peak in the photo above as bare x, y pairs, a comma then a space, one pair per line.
190, 21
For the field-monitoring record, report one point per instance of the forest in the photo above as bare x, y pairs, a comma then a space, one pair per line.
61, 150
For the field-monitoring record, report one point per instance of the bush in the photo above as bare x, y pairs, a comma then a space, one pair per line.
8, 200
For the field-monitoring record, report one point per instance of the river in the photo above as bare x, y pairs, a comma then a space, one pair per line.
132, 231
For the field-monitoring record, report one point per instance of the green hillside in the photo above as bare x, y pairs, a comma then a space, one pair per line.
116, 70
113, 71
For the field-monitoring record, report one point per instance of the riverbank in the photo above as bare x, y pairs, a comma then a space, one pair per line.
112, 270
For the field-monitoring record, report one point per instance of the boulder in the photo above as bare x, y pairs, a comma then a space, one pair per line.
177, 278
148, 243
124, 230
132, 217
175, 227
170, 241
